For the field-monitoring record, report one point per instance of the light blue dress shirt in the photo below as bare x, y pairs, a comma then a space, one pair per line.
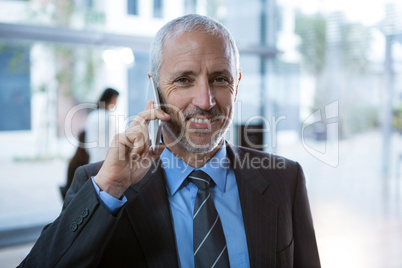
182, 195
110, 203
224, 193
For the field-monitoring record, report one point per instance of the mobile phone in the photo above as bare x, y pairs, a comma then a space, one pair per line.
155, 126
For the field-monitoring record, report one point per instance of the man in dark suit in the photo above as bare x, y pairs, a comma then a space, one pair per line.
200, 201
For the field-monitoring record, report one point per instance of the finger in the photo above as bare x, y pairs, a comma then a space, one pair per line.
139, 147
150, 105
146, 138
141, 129
148, 115
125, 145
136, 141
130, 135
142, 141
132, 141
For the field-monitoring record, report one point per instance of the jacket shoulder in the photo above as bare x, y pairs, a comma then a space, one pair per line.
253, 159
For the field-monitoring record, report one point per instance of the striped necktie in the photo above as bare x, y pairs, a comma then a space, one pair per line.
209, 240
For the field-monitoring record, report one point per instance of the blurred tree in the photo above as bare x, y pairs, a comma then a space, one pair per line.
313, 45
397, 117
73, 83
74, 68
355, 40
348, 68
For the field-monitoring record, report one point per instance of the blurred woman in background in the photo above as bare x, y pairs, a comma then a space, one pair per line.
99, 130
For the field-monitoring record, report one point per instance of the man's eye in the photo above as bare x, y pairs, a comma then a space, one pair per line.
220, 80
182, 80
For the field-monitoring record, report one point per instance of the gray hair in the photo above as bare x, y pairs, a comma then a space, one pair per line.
188, 23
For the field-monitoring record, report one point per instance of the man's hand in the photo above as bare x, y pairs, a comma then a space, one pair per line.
129, 157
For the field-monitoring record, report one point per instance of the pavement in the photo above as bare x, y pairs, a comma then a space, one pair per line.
356, 211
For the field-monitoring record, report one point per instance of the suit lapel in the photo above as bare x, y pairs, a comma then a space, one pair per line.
259, 212
149, 212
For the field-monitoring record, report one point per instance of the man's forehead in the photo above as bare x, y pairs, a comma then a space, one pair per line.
197, 43
178, 37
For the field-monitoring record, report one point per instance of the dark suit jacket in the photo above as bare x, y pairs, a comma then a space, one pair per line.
273, 198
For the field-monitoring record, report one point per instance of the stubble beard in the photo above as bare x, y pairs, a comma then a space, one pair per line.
176, 129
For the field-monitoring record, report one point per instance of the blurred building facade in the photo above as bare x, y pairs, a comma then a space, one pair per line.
77, 48
58, 56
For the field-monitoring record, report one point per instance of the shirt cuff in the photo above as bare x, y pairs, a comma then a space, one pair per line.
110, 203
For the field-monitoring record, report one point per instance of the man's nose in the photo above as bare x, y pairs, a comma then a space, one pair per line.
204, 97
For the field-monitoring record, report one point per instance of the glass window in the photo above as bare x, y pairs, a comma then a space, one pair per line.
47, 90
15, 100
158, 8
89, 4
132, 7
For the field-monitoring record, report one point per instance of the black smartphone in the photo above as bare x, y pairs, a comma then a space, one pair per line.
155, 126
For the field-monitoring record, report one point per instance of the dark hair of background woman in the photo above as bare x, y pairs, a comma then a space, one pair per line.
106, 97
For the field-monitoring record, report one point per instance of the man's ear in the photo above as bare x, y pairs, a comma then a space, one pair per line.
237, 86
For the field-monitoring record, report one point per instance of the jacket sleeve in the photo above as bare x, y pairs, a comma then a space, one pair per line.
305, 245
78, 237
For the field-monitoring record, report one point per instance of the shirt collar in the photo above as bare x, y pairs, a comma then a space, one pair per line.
176, 170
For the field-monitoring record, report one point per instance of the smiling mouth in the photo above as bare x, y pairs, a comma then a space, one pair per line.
201, 120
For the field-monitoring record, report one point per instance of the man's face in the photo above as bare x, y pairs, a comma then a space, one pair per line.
198, 82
